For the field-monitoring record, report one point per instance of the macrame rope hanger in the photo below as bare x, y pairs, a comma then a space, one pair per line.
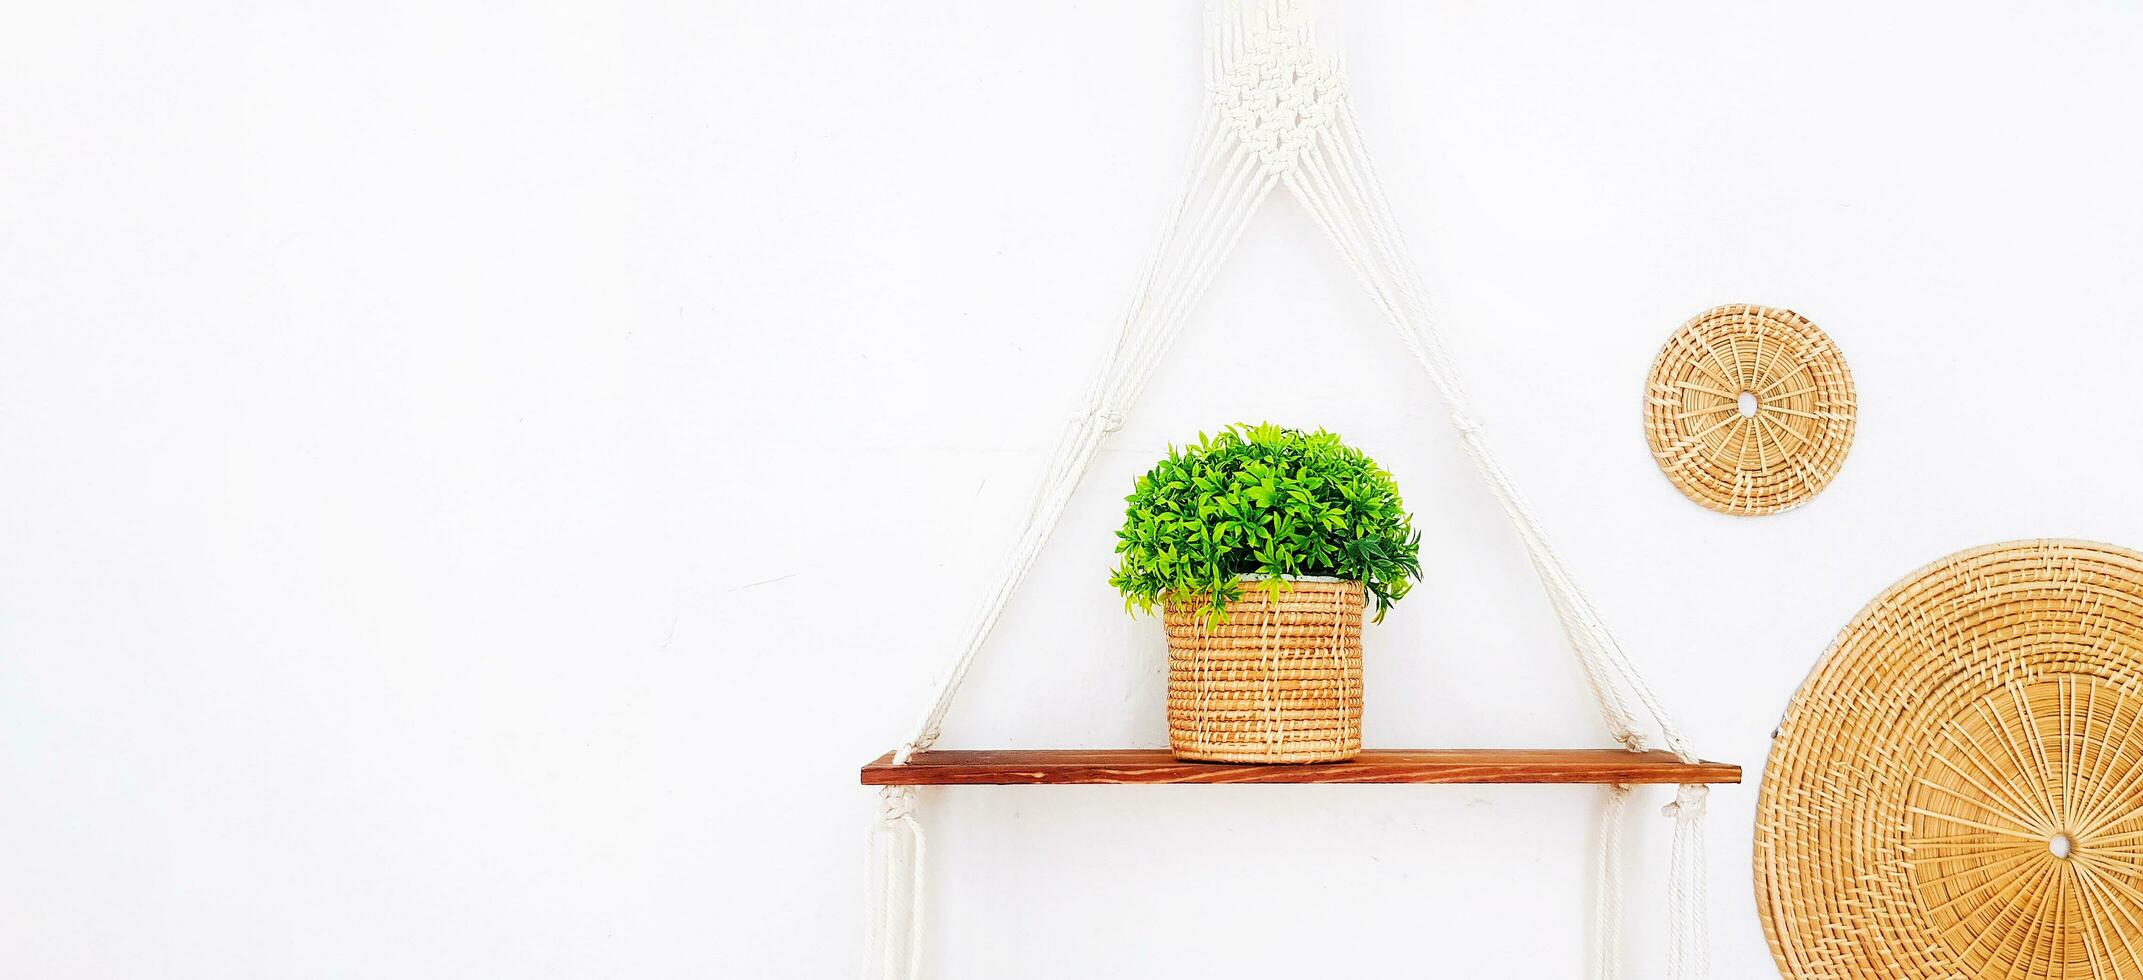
1279, 117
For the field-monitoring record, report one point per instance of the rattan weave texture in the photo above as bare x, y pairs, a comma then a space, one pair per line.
1726, 458
1957, 789
1280, 681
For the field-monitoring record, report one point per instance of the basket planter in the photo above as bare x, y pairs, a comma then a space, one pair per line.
1279, 681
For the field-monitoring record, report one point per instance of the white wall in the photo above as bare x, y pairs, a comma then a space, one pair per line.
478, 481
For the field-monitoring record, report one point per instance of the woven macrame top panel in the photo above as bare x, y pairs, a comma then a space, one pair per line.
1957, 790
1749, 410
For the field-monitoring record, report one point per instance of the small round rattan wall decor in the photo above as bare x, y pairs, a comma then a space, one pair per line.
1749, 410
1956, 791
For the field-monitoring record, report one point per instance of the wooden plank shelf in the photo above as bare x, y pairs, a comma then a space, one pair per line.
1061, 767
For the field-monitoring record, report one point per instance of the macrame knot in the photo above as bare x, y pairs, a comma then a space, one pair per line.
1465, 422
1688, 801
908, 748
895, 804
1109, 421
1277, 96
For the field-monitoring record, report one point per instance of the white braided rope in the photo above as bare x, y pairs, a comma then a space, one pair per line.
1228, 182
1689, 958
1338, 186
1607, 903
1335, 180
1226, 188
1279, 115
893, 866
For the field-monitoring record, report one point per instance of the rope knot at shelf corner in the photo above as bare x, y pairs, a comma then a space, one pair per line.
896, 804
1688, 802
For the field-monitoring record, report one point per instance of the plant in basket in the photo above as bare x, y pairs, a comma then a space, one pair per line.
1263, 546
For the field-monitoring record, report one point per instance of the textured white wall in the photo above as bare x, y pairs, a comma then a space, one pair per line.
478, 481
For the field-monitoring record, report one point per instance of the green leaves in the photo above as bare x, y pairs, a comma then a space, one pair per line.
1263, 500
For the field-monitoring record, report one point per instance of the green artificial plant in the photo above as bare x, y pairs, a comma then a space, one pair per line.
1263, 500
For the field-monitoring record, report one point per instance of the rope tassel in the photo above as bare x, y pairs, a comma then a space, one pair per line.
1607, 906
895, 872
1689, 953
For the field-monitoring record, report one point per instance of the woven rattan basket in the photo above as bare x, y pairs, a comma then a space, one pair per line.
1279, 681
1956, 792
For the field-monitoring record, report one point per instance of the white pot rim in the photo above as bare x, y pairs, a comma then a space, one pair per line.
1294, 578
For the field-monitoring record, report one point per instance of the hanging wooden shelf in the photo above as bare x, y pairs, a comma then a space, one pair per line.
1019, 767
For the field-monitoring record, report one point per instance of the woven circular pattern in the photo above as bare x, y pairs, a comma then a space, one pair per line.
1957, 790
1749, 410
1280, 681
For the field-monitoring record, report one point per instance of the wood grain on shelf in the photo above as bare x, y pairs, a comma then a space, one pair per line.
1002, 767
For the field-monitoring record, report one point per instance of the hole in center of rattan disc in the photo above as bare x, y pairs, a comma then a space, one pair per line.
2058, 845
1748, 404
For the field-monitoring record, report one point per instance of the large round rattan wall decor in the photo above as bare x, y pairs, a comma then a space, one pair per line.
1749, 410
1957, 790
